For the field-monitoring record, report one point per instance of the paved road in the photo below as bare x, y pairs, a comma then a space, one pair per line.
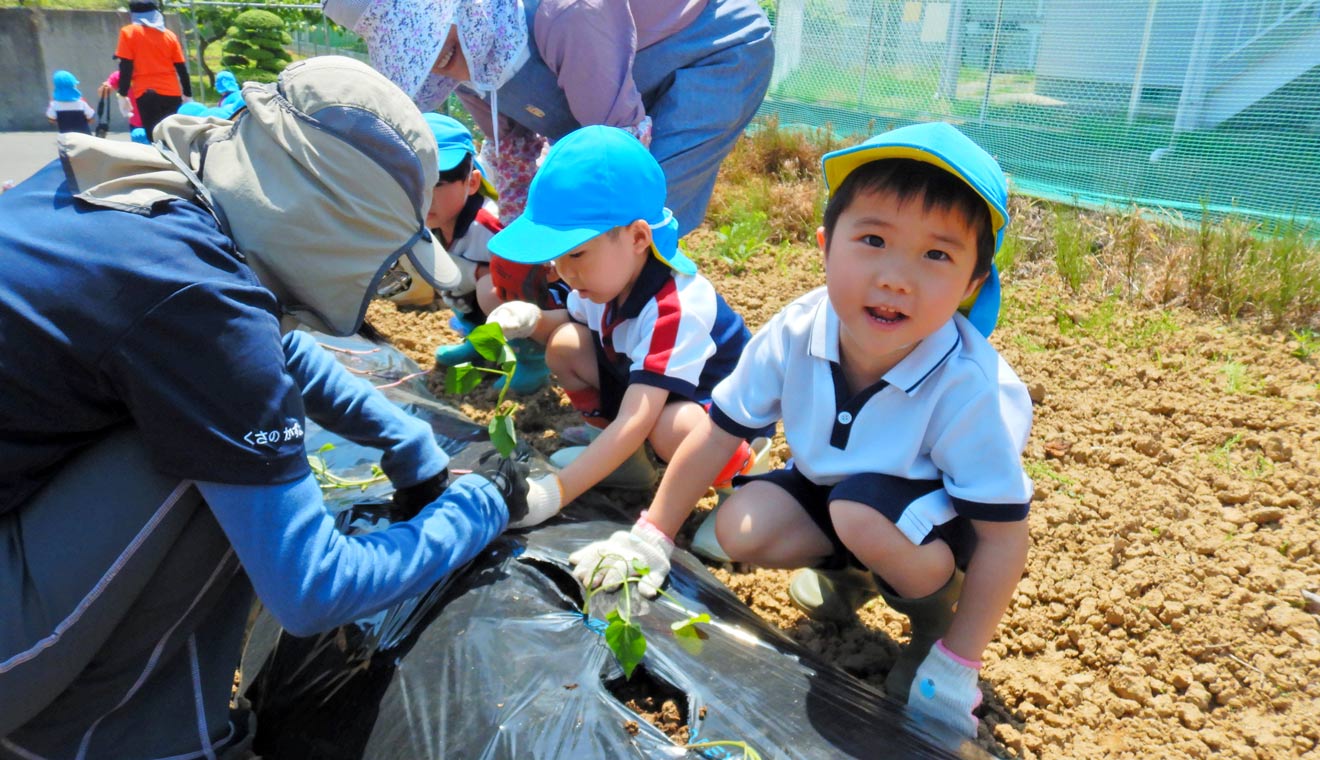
22, 153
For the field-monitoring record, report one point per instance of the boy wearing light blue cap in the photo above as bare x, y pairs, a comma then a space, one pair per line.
644, 338
906, 426
68, 111
463, 215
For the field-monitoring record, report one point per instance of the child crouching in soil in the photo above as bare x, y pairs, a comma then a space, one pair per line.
644, 338
906, 426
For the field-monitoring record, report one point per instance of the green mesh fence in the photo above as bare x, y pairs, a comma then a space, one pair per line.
1181, 105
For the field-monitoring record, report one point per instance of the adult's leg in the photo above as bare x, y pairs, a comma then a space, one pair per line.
154, 107
128, 609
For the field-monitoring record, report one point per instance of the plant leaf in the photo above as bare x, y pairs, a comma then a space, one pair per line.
640, 568
626, 640
691, 638
488, 340
325, 447
502, 435
462, 378
691, 621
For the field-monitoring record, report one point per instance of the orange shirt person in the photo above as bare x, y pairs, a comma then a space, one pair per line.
152, 70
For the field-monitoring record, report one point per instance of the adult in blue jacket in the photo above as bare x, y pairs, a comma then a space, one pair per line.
152, 467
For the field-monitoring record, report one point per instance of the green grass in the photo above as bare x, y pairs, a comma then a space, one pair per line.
67, 5
1072, 247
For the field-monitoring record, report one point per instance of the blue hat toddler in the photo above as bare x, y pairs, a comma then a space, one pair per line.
593, 180
944, 146
66, 87
455, 143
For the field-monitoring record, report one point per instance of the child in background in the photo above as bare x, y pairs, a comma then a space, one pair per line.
644, 338
68, 111
906, 426
231, 98
465, 223
127, 108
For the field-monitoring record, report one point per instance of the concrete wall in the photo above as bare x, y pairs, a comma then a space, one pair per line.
34, 43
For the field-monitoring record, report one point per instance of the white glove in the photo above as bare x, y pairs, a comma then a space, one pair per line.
944, 690
467, 276
545, 497
607, 563
461, 304
518, 319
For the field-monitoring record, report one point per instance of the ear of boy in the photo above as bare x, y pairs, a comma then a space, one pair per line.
474, 182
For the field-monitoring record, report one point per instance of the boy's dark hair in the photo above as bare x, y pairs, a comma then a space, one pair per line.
459, 173
908, 178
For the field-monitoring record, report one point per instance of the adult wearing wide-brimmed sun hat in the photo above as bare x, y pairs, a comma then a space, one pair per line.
153, 472
684, 76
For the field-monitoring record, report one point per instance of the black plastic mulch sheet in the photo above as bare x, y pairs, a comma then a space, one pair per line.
498, 662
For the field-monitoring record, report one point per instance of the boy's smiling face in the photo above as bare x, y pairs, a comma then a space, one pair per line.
895, 272
606, 267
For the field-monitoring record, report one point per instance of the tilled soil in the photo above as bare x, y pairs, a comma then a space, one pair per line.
1164, 612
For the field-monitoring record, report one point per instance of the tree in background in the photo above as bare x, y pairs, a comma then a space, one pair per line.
254, 46
210, 23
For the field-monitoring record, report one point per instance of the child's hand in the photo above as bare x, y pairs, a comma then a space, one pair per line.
545, 497
607, 563
944, 690
518, 319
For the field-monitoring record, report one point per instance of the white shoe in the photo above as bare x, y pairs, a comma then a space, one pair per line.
704, 543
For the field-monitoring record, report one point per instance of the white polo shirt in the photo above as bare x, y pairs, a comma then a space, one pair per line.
952, 410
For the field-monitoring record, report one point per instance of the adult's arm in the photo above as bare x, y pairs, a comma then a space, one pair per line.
313, 578
353, 408
590, 45
125, 75
185, 81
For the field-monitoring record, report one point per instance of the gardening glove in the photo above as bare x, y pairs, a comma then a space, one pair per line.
531, 501
462, 304
518, 319
944, 690
412, 499
545, 497
607, 563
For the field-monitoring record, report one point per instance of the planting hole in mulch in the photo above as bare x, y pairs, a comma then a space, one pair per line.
655, 701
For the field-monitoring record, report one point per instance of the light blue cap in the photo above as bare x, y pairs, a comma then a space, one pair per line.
455, 142
66, 86
593, 180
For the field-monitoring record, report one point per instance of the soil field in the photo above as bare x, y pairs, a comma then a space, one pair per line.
1169, 608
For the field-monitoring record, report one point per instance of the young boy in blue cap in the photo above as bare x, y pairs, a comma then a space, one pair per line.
644, 338
67, 109
906, 426
463, 219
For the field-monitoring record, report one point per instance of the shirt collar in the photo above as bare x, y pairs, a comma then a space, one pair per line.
655, 273
909, 373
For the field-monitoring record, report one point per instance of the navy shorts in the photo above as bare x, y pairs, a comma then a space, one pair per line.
919, 508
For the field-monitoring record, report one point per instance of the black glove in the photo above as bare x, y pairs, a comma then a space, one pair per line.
413, 499
509, 477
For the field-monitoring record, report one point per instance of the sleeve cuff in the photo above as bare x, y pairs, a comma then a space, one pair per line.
657, 380
729, 425
975, 510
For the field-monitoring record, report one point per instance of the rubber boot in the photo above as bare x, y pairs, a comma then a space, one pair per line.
704, 542
930, 617
832, 596
459, 353
635, 473
531, 374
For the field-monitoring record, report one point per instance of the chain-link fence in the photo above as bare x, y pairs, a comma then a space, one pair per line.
1184, 105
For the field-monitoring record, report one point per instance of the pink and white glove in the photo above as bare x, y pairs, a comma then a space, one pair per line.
518, 319
606, 564
945, 690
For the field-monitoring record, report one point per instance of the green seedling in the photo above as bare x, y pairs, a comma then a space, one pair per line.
490, 343
330, 481
742, 240
627, 641
623, 636
1308, 343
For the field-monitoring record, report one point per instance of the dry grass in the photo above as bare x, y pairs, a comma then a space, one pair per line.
770, 186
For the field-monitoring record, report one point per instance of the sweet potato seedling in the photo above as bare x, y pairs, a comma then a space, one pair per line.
490, 343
